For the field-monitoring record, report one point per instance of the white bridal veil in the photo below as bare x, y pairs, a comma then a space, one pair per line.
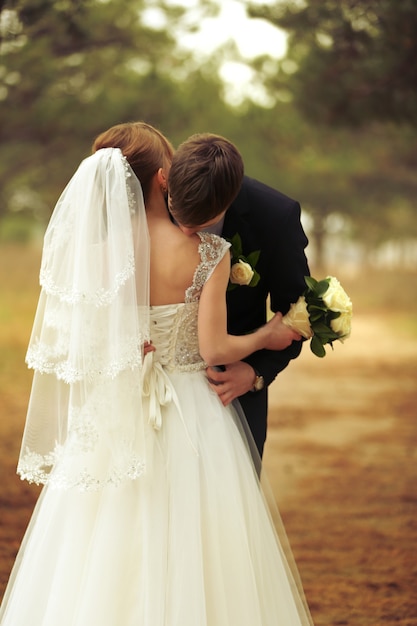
89, 329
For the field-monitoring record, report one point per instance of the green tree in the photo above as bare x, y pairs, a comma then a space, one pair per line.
71, 68
355, 60
361, 180
350, 71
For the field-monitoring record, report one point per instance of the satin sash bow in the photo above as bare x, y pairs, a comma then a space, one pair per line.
157, 386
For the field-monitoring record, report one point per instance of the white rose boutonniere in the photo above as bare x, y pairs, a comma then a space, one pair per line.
243, 270
323, 313
241, 273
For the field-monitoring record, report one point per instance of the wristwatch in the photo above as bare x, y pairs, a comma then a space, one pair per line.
259, 382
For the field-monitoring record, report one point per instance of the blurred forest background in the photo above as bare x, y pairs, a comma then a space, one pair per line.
333, 123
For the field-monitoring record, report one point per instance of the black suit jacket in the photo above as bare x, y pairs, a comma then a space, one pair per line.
268, 221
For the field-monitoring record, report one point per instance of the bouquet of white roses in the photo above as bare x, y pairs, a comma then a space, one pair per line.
323, 313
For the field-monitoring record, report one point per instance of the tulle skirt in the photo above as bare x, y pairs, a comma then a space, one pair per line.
189, 543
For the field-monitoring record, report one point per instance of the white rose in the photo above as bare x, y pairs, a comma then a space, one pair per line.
241, 273
297, 318
336, 298
342, 325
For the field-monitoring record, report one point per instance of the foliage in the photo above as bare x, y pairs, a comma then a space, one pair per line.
320, 315
70, 69
361, 178
351, 72
355, 60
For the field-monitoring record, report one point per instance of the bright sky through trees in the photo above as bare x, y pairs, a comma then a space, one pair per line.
252, 37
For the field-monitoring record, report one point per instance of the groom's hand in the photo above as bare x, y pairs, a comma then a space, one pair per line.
233, 382
148, 347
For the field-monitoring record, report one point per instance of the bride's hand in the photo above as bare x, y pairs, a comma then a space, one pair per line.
280, 336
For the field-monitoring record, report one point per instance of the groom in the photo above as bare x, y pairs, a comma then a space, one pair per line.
267, 225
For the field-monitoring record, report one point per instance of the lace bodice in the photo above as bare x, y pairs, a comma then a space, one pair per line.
174, 326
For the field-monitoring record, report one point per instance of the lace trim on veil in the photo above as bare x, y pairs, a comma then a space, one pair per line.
35, 468
84, 426
100, 297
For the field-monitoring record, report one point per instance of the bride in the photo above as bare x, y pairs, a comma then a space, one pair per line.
152, 513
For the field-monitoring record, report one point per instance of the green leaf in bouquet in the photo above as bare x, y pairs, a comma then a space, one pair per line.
311, 299
321, 329
316, 289
315, 317
310, 282
324, 333
315, 314
322, 287
319, 315
316, 305
332, 315
317, 347
329, 337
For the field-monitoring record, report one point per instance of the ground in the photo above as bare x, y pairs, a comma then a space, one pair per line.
342, 460
341, 456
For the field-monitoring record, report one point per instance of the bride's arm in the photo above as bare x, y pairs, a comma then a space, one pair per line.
216, 346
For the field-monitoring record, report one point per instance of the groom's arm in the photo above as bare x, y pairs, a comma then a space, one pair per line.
269, 363
283, 245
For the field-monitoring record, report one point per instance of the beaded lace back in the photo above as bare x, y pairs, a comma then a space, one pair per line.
174, 327
211, 249
185, 352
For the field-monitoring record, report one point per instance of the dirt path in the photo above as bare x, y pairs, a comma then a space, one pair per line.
341, 457
342, 460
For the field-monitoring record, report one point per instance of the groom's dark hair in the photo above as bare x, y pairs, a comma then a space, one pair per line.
204, 179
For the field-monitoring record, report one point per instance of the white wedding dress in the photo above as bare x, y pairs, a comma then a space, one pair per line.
188, 542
